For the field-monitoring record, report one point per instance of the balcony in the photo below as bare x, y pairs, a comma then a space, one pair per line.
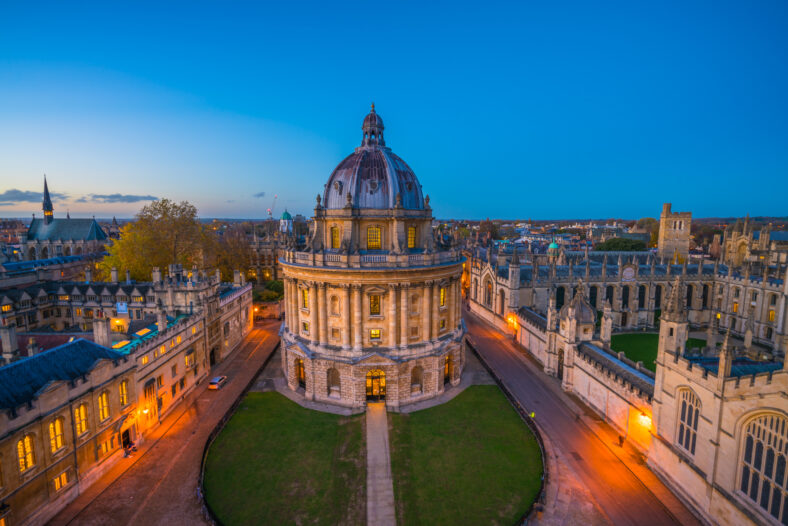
370, 260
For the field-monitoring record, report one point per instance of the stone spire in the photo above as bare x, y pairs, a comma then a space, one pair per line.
48, 209
726, 360
674, 307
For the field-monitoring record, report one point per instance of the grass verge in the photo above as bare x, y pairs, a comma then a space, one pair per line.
642, 347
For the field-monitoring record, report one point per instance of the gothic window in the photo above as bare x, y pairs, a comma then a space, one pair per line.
501, 303
592, 296
475, 289
705, 296
81, 418
334, 237
373, 238
411, 237
559, 297
488, 293
762, 464
56, 434
689, 412
123, 388
642, 297
625, 297
374, 305
690, 291
609, 294
25, 453
103, 403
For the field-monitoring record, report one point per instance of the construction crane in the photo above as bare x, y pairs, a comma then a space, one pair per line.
271, 208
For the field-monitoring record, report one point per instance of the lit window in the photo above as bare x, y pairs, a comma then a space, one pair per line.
374, 305
63, 297
771, 315
163, 349
373, 238
189, 360
60, 481
56, 434
137, 299
374, 334
688, 420
123, 390
81, 418
735, 306
443, 296
305, 327
103, 403
304, 298
762, 465
6, 308
443, 325
334, 237
24, 450
78, 311
194, 330
411, 237
144, 360
178, 339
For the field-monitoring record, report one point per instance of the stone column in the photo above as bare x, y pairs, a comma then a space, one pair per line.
290, 312
435, 309
313, 336
425, 310
357, 318
392, 339
322, 310
405, 309
346, 316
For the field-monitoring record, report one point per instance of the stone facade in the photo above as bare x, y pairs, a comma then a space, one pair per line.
674, 234
372, 300
743, 244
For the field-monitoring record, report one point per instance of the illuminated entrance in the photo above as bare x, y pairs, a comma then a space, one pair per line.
299, 371
376, 386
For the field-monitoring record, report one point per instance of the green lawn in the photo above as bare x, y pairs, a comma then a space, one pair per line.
278, 463
469, 461
643, 347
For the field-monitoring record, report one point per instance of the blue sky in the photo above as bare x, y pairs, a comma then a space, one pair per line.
522, 109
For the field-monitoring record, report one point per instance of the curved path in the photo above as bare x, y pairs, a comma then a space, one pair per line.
621, 490
159, 484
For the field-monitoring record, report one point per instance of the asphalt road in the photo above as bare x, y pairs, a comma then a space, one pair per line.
619, 494
159, 484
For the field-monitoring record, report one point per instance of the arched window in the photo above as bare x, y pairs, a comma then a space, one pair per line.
123, 391
689, 411
332, 382
592, 292
334, 305
488, 293
762, 464
690, 291
417, 380
559, 297
658, 297
501, 303
705, 296
81, 418
609, 294
103, 404
335, 237
642, 297
25, 453
373, 238
56, 434
300, 373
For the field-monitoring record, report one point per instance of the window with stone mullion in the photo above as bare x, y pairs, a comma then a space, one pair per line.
763, 465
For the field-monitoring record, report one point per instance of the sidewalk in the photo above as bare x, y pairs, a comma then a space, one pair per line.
380, 486
158, 485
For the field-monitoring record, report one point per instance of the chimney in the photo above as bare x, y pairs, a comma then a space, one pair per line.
128, 277
161, 320
101, 334
9, 343
156, 275
113, 275
236, 278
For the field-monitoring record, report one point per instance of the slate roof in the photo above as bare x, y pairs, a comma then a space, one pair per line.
65, 229
741, 366
640, 380
22, 381
21, 266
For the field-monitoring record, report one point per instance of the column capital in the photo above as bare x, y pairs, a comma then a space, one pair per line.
404, 285
345, 285
429, 282
320, 284
393, 286
356, 286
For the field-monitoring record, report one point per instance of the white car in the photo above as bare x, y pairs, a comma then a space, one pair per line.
217, 383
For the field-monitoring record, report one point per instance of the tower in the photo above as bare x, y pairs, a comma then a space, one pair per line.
673, 325
674, 234
286, 223
48, 210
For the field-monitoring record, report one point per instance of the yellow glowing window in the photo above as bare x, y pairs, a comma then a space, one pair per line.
194, 330
120, 344
735, 306
56, 434
123, 391
771, 315
443, 296
81, 418
443, 325
172, 342
63, 297
60, 481
179, 339
142, 332
304, 298
24, 450
305, 327
144, 360
6, 308
78, 311
163, 349
374, 334
374, 305
103, 403
373, 238
411, 237
334, 237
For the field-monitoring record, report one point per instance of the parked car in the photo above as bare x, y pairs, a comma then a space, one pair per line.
218, 382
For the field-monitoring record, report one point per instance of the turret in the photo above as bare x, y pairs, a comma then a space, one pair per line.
673, 323
48, 209
606, 327
726, 361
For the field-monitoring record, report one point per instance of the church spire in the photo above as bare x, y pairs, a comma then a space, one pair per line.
48, 210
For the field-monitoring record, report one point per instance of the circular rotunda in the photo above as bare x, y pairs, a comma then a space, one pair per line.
372, 295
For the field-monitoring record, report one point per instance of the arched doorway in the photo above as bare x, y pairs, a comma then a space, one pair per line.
376, 385
212, 357
299, 373
447, 365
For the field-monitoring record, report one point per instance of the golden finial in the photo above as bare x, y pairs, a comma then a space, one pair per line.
373, 107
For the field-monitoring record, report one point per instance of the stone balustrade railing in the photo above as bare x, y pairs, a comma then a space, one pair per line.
338, 260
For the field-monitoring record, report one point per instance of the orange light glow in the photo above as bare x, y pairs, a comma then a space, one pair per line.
645, 420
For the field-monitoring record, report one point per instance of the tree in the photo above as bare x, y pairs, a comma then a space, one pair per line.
162, 233
619, 244
228, 252
488, 226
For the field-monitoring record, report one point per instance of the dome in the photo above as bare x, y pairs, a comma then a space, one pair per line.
583, 312
286, 216
373, 176
553, 245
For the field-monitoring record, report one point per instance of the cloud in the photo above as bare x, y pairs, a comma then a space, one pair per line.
115, 198
14, 196
231, 200
259, 195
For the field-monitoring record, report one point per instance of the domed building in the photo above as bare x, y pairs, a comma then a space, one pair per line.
373, 297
